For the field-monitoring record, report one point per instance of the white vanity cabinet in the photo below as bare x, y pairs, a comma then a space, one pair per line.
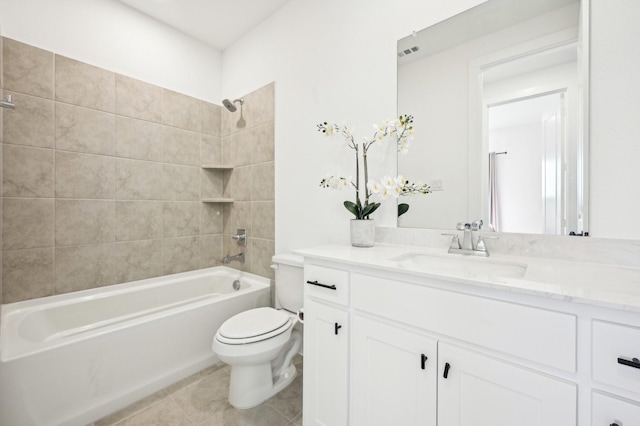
482, 390
432, 350
326, 353
394, 374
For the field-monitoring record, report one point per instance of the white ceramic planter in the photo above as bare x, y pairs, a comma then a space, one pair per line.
363, 232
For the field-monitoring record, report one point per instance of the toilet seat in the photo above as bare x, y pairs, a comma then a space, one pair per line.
254, 325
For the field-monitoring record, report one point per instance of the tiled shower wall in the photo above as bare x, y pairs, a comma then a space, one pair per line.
102, 180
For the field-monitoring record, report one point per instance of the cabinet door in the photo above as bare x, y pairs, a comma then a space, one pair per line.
480, 390
607, 410
394, 375
326, 346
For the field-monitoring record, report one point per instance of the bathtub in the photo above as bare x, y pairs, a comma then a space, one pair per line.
71, 359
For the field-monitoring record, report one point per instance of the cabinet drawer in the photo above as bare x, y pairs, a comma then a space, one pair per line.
326, 284
610, 342
608, 410
543, 336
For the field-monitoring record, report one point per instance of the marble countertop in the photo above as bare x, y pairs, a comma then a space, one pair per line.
589, 283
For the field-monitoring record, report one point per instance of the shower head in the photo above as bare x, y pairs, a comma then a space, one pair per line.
230, 105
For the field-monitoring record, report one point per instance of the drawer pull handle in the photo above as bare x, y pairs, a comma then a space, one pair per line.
336, 328
447, 366
613, 424
423, 361
330, 287
633, 362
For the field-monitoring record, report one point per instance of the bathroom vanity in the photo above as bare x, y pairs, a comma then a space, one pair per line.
416, 336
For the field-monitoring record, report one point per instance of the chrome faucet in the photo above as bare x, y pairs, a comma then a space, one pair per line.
238, 257
468, 246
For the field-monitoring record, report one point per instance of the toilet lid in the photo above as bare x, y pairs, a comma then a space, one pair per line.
253, 323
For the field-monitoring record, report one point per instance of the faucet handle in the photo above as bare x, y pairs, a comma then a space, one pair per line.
455, 242
477, 225
481, 245
461, 226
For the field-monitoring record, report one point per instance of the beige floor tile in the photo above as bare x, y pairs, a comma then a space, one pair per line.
167, 413
114, 418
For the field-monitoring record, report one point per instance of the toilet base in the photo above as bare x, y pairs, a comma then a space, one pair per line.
251, 385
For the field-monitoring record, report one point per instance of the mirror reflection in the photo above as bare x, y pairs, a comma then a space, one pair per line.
498, 94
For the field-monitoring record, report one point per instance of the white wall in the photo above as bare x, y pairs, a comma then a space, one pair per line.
331, 61
108, 34
615, 124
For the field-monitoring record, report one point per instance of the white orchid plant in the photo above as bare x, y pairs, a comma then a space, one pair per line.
401, 132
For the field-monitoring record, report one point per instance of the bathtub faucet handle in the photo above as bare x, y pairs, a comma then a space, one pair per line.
241, 237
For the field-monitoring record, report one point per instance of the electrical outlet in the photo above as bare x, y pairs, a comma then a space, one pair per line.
436, 185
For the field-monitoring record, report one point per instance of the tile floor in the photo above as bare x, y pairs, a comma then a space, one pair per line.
201, 400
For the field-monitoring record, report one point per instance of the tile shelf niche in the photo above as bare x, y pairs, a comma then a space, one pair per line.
217, 167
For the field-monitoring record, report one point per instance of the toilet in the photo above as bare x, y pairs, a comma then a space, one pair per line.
259, 344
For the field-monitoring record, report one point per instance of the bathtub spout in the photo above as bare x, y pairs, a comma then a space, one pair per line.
239, 257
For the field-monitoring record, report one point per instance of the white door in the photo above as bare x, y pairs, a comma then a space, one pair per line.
326, 357
480, 390
394, 375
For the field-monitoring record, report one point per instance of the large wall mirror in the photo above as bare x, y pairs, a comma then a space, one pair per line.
499, 94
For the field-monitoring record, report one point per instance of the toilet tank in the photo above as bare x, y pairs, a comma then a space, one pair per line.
289, 278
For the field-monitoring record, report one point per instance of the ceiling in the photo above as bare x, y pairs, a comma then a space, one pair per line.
217, 23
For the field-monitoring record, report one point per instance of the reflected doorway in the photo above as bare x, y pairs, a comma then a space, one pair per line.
526, 145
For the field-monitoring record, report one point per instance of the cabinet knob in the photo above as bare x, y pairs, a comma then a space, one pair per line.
447, 366
423, 361
613, 424
337, 327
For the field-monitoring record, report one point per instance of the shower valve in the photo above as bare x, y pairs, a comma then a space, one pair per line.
241, 237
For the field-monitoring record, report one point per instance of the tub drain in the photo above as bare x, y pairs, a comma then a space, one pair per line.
236, 285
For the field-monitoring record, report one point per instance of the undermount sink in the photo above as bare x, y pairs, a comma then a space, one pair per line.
455, 264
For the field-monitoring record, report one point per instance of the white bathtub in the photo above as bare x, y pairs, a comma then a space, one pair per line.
74, 358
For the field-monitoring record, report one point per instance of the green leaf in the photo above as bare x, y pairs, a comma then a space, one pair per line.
352, 208
402, 209
370, 209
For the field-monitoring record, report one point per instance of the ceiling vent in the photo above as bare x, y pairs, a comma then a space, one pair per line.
408, 51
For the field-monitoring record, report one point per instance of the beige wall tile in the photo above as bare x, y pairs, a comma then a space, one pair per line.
263, 181
82, 84
84, 176
237, 215
138, 220
83, 267
236, 149
84, 130
137, 99
263, 219
237, 184
137, 260
259, 106
138, 139
181, 183
85, 222
27, 69
181, 111
27, 172
139, 180
27, 274
181, 146
27, 223
210, 251
210, 218
180, 254
181, 219
211, 119
262, 139
211, 182
261, 253
211, 150
32, 123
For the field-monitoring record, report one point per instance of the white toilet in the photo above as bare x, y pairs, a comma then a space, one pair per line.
259, 344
